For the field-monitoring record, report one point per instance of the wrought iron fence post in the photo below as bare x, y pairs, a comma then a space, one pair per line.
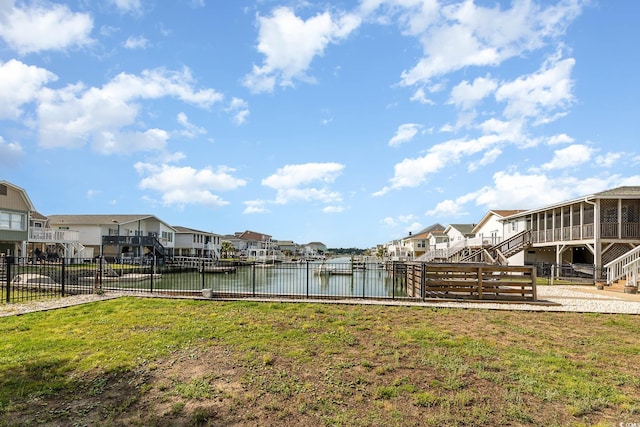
393, 280
253, 277
307, 279
152, 272
99, 278
62, 279
202, 272
364, 279
8, 270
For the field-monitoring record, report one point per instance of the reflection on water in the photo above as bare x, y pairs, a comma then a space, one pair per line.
334, 278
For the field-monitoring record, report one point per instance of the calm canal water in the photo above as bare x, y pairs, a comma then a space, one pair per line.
332, 278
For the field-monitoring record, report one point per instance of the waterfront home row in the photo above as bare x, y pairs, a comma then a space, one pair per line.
131, 238
598, 229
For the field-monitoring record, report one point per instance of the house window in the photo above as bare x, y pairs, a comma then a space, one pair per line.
13, 221
514, 226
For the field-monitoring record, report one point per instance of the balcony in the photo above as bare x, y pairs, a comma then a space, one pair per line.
50, 235
626, 231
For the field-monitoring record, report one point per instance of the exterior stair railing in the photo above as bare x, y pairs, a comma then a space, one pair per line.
447, 253
632, 272
623, 266
498, 253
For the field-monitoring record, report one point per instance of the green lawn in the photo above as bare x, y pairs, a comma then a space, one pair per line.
179, 362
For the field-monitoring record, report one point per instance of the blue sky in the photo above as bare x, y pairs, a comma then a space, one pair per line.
346, 122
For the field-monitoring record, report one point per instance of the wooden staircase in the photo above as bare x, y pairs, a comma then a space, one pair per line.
498, 253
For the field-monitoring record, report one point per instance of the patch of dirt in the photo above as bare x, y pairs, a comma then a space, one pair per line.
215, 387
370, 381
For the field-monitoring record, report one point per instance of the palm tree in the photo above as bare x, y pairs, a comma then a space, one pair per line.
227, 247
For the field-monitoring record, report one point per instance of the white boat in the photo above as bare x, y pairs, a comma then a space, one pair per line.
33, 280
125, 278
41, 282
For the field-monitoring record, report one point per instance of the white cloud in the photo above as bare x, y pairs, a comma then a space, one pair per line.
466, 96
569, 157
73, 115
128, 6
20, 84
446, 209
408, 222
489, 157
91, 193
180, 186
562, 138
609, 159
517, 191
389, 221
407, 218
290, 43
42, 26
239, 108
540, 94
629, 181
333, 209
129, 142
10, 153
255, 207
463, 34
413, 227
451, 208
190, 130
414, 172
405, 133
136, 42
421, 97
294, 182
511, 130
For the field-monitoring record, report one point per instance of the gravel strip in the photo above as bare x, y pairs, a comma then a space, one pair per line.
582, 299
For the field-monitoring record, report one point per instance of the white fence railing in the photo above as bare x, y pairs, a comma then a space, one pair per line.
50, 235
632, 271
621, 266
447, 250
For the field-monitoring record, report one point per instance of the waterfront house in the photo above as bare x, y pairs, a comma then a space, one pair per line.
314, 249
194, 243
422, 241
459, 232
396, 251
490, 229
416, 245
256, 246
287, 247
599, 229
15, 209
24, 232
129, 238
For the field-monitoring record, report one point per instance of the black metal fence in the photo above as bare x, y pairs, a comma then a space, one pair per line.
574, 273
24, 279
28, 279
35, 279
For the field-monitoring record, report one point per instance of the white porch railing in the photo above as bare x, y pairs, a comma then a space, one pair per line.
621, 266
632, 272
50, 235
